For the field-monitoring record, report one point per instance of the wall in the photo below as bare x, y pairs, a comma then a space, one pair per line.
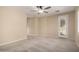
43, 26
76, 27
12, 25
48, 26
33, 26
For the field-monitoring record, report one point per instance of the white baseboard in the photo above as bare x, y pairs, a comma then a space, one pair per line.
6, 43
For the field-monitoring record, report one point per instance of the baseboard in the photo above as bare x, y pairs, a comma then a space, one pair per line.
11, 42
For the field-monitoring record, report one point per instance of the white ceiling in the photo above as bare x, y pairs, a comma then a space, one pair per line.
52, 11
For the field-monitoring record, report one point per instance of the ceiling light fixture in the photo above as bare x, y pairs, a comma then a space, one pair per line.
40, 11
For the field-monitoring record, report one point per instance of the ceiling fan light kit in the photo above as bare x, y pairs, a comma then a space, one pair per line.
40, 11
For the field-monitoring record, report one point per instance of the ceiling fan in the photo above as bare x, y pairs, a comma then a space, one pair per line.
42, 9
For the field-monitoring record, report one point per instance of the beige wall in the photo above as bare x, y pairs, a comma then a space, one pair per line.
12, 24
76, 27
43, 26
48, 26
33, 25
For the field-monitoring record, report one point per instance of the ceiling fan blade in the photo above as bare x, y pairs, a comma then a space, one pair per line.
47, 7
45, 12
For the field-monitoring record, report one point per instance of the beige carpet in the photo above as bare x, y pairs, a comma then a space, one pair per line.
41, 44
